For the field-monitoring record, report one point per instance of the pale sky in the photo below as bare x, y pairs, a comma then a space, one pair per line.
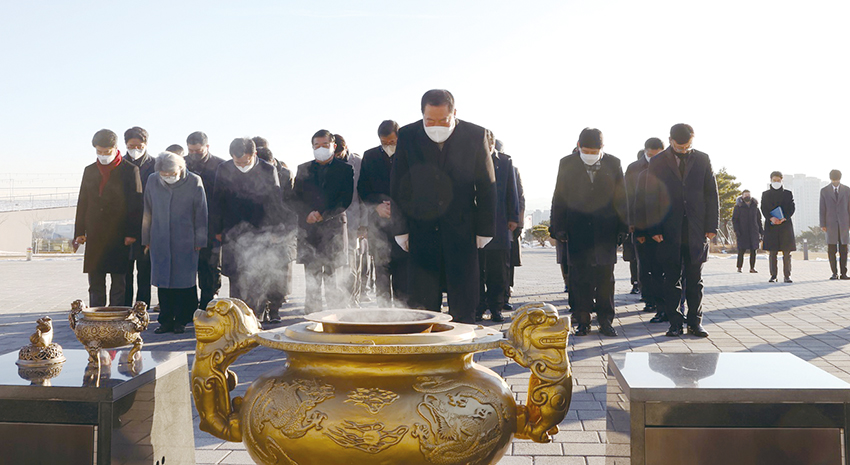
764, 83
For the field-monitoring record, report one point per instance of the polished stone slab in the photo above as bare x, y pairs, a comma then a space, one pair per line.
725, 377
117, 413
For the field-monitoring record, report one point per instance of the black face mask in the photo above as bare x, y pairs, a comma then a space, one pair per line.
747, 199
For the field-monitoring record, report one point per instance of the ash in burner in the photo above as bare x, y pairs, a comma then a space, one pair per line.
378, 321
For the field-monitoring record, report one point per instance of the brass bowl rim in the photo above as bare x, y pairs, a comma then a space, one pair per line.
46, 363
107, 313
429, 317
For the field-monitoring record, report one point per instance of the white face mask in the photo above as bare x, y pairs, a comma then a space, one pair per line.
170, 179
106, 159
590, 159
776, 185
389, 149
439, 134
323, 154
135, 153
247, 168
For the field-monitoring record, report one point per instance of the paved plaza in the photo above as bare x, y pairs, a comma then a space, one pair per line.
809, 318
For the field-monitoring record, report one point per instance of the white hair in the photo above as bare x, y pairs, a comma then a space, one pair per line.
170, 162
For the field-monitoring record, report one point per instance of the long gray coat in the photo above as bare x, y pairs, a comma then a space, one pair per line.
174, 226
835, 213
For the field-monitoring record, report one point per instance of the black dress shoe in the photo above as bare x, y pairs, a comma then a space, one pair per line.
507, 308
844, 277
659, 318
739, 270
496, 317
479, 316
697, 330
179, 329
753, 270
582, 330
566, 288
163, 329
635, 289
833, 277
772, 280
788, 280
674, 331
650, 308
607, 330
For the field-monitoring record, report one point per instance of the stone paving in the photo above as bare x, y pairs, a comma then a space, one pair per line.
810, 318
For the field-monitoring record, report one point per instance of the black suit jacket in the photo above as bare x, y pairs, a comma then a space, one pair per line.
374, 187
507, 202
589, 215
669, 197
107, 219
146, 165
327, 189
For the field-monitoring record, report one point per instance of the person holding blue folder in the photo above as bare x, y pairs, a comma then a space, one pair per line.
777, 205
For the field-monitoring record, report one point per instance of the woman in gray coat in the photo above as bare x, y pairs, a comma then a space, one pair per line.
174, 229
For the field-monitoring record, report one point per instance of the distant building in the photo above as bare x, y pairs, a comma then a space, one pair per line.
806, 191
539, 216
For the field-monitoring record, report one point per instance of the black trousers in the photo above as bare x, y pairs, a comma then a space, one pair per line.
741, 253
209, 275
391, 274
427, 286
176, 306
592, 289
492, 279
142, 264
651, 272
675, 271
831, 249
97, 289
318, 276
634, 274
774, 263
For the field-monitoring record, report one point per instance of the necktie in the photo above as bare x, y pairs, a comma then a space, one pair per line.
682, 160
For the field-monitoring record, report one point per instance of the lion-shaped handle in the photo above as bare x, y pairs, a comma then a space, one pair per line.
537, 339
77, 307
138, 314
224, 331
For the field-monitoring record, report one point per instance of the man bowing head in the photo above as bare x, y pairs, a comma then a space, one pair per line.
443, 184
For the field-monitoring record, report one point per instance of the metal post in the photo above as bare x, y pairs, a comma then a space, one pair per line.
29, 254
805, 249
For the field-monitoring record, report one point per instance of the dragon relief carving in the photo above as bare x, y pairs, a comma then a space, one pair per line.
370, 438
537, 340
373, 399
224, 331
463, 423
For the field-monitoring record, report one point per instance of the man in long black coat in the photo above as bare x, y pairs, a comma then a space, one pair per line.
247, 216
444, 186
323, 191
746, 222
682, 212
200, 161
589, 210
647, 267
391, 262
494, 258
136, 140
108, 219
516, 246
778, 230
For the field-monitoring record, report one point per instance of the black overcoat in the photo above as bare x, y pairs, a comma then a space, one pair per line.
631, 178
445, 197
746, 221
107, 219
146, 165
779, 236
589, 215
327, 189
247, 205
516, 245
206, 169
669, 197
507, 203
374, 189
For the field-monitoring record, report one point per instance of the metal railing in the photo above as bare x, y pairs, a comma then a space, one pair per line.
38, 201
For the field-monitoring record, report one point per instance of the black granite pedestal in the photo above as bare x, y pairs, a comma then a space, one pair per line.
121, 413
727, 408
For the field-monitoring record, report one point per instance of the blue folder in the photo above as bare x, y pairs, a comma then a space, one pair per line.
777, 213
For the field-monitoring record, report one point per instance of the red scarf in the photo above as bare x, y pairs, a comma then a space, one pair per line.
106, 171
